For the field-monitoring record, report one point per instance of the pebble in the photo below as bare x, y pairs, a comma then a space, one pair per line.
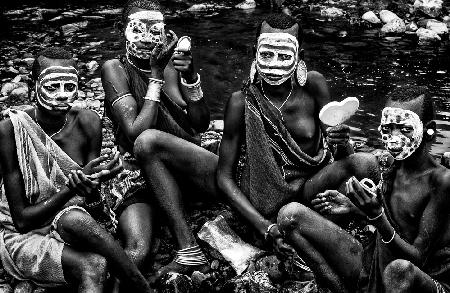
90, 94
371, 17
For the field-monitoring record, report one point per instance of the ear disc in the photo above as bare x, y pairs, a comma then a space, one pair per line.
430, 132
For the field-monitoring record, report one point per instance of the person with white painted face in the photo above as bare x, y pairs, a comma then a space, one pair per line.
51, 169
410, 250
155, 101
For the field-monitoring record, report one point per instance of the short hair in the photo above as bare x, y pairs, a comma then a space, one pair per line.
52, 53
143, 4
412, 92
281, 21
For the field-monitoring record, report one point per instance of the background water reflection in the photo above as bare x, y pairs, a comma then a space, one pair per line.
356, 61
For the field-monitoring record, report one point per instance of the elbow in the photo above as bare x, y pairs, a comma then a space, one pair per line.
23, 226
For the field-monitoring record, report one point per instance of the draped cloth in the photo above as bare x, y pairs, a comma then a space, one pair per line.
377, 255
275, 167
36, 255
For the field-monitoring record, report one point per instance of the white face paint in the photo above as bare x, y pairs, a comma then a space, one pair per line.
142, 28
57, 87
408, 133
276, 57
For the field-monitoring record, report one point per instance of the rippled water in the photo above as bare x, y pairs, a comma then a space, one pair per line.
355, 61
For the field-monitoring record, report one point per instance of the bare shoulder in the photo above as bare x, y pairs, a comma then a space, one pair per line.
441, 180
88, 121
112, 66
237, 101
7, 142
317, 87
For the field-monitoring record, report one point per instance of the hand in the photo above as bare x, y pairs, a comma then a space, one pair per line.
339, 134
332, 202
362, 199
107, 171
161, 55
183, 63
81, 184
278, 243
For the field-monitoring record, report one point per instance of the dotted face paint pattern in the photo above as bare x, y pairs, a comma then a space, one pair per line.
408, 145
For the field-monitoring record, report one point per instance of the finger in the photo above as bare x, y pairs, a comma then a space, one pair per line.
71, 182
338, 135
338, 128
337, 141
353, 195
87, 181
360, 190
177, 62
97, 161
75, 178
113, 162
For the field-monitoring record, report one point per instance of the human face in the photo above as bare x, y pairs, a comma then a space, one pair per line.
401, 131
57, 87
144, 30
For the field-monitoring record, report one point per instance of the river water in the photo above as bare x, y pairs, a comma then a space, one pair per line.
355, 60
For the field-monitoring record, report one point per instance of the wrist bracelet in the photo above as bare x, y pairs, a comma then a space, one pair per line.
155, 80
376, 217
267, 233
390, 240
193, 92
154, 99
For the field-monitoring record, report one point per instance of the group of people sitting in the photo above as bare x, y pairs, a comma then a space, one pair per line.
289, 176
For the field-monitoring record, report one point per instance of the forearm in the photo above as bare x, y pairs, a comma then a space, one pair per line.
341, 151
37, 215
241, 204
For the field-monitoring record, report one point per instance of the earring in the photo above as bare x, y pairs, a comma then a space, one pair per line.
301, 73
430, 132
253, 72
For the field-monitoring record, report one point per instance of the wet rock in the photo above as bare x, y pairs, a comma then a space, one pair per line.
371, 17
204, 7
110, 11
24, 287
445, 159
10, 63
12, 70
388, 16
256, 282
431, 8
270, 264
411, 27
331, 12
247, 4
437, 26
92, 65
93, 17
198, 278
9, 87
394, 26
215, 263
299, 287
6, 288
28, 61
40, 290
20, 93
175, 283
216, 125
71, 28
426, 35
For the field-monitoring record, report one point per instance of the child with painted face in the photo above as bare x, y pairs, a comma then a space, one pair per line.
51, 171
410, 251
155, 101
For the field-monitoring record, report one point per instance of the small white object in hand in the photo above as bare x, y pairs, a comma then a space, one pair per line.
184, 44
335, 113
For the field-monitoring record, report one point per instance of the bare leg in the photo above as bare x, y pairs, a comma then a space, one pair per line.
334, 255
164, 159
86, 270
333, 176
82, 232
401, 276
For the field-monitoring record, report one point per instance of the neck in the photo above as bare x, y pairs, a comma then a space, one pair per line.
50, 120
277, 92
418, 162
141, 64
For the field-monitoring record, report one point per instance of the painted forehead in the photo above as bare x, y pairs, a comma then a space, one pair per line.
391, 115
58, 72
278, 40
145, 15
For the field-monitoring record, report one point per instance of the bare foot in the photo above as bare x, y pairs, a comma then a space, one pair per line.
174, 267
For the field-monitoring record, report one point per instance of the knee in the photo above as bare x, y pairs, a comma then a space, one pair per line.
290, 216
94, 268
74, 219
137, 250
147, 143
399, 274
364, 165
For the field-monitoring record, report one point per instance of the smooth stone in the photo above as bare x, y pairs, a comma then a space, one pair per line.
24, 287
247, 4
6, 288
439, 27
71, 28
270, 264
431, 8
299, 286
332, 12
90, 94
395, 26
371, 17
19, 93
175, 283
387, 16
426, 35
411, 27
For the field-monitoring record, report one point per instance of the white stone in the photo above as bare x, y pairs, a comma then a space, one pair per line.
331, 12
439, 27
395, 26
411, 27
432, 8
92, 65
426, 35
387, 16
247, 4
69, 29
371, 17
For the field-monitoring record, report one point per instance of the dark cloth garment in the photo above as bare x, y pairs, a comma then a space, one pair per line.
275, 167
377, 255
171, 117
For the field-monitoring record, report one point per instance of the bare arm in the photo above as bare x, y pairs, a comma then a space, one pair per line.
26, 217
228, 156
125, 111
318, 87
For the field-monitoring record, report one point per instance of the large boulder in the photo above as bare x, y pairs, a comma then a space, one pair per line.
371, 17
431, 8
439, 27
426, 35
388, 16
396, 26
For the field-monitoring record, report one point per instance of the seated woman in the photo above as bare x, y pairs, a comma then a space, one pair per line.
155, 101
51, 171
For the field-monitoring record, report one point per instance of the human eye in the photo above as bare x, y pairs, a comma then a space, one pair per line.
285, 57
51, 87
266, 55
69, 87
385, 128
406, 129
